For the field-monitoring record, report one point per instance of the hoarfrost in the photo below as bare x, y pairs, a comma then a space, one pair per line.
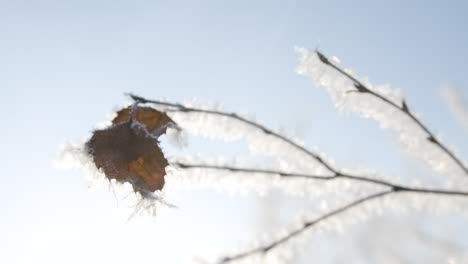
73, 155
220, 127
222, 178
411, 137
292, 246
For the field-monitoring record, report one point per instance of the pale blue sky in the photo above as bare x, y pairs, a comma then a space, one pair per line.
65, 64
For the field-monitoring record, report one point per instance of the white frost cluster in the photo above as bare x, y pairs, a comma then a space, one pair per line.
220, 180
345, 96
226, 128
225, 180
433, 203
73, 155
286, 251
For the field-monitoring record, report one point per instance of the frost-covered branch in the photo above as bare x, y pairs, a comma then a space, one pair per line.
403, 108
394, 186
306, 225
252, 170
182, 108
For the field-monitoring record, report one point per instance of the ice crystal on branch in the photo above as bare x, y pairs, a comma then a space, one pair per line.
227, 128
385, 105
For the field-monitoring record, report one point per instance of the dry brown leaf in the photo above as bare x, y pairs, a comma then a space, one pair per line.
127, 153
155, 122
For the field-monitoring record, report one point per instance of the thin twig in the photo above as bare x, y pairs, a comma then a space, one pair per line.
305, 226
182, 108
361, 88
393, 186
251, 170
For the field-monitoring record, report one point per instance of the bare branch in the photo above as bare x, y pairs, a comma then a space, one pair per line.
394, 186
251, 170
305, 226
182, 108
361, 88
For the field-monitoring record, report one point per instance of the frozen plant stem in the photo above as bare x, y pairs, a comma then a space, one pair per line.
309, 224
395, 187
361, 88
181, 108
305, 226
